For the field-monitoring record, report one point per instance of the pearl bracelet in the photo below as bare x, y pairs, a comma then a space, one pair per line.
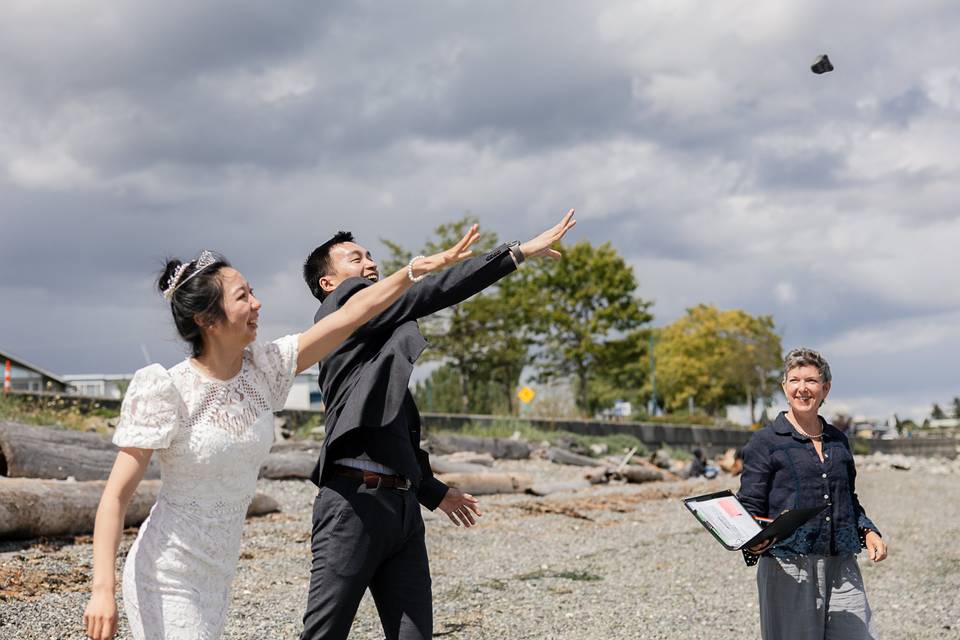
410, 270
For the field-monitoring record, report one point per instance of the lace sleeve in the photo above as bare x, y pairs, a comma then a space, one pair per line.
277, 362
151, 410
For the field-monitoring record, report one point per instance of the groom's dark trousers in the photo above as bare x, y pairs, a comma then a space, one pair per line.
366, 535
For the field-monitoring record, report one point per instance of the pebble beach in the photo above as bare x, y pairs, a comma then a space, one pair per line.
612, 561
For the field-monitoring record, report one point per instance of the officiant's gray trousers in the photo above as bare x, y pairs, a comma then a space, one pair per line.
813, 597
368, 538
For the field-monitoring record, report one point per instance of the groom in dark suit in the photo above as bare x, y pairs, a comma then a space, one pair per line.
372, 474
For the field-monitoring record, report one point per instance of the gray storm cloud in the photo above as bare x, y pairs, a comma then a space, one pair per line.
693, 137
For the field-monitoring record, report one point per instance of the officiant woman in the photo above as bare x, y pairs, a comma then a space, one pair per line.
810, 584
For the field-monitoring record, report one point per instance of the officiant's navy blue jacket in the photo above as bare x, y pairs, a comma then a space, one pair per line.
364, 381
781, 470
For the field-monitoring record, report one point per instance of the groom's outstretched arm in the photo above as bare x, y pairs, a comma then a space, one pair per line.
457, 283
450, 287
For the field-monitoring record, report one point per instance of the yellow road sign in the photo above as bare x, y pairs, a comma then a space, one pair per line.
526, 395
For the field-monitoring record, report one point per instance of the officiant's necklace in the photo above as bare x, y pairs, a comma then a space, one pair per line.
804, 433
799, 430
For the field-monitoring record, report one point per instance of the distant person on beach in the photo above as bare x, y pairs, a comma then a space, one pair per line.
700, 467
810, 584
372, 475
210, 418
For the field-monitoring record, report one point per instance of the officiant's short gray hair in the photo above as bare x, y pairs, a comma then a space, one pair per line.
804, 357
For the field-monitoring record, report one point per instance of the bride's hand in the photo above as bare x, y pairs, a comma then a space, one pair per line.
453, 255
100, 617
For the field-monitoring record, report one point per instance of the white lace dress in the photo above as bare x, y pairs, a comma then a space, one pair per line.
211, 437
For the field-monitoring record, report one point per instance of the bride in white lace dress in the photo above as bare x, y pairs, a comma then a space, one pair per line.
210, 419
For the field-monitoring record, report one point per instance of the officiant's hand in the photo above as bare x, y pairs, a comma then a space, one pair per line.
100, 617
876, 547
757, 549
460, 507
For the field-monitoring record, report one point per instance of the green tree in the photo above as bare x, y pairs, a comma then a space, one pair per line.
588, 322
623, 369
441, 392
956, 407
937, 413
496, 336
485, 340
718, 358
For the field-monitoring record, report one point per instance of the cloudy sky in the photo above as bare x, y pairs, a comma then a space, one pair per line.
690, 134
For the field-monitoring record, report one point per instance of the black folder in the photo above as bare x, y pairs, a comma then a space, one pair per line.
780, 528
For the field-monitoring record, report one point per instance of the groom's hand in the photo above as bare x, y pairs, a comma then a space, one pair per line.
460, 507
540, 246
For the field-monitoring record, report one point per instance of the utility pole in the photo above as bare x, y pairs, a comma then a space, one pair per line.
653, 379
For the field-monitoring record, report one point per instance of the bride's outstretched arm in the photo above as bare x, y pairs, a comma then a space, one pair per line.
320, 339
100, 616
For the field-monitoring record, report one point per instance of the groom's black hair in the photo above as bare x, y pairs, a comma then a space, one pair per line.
317, 263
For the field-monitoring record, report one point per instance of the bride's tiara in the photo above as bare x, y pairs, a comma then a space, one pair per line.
205, 259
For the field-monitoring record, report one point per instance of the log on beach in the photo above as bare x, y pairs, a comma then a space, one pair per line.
261, 505
288, 464
480, 458
444, 464
47, 452
546, 488
598, 475
499, 448
665, 474
58, 454
287, 446
31, 508
488, 483
562, 456
639, 473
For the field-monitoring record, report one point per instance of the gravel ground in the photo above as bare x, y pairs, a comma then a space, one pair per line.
615, 561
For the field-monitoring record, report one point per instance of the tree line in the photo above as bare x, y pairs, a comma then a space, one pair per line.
580, 321
937, 413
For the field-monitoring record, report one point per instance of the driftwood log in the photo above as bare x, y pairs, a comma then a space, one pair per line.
598, 475
288, 464
446, 464
488, 483
499, 448
58, 454
638, 473
644, 471
546, 488
31, 508
562, 456
287, 446
47, 452
482, 458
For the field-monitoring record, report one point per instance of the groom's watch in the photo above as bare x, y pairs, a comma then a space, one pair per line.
516, 253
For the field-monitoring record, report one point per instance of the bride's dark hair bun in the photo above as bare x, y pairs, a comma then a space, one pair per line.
197, 297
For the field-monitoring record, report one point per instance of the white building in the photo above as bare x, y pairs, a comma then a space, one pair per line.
304, 394
99, 385
945, 423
